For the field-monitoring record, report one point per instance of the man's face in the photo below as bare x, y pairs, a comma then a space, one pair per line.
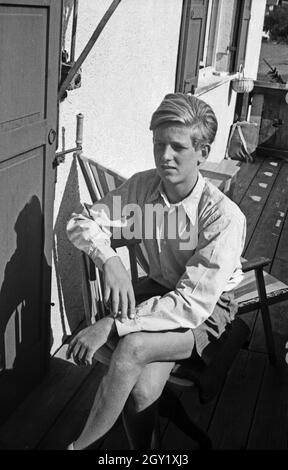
176, 159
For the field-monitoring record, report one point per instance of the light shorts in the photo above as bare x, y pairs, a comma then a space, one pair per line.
209, 334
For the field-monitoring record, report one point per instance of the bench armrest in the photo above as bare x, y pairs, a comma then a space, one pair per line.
255, 263
124, 242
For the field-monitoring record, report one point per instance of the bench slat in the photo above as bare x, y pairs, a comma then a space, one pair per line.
247, 289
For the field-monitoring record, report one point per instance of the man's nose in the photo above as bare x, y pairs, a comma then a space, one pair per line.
167, 153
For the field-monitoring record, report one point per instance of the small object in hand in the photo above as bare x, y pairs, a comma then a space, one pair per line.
117, 314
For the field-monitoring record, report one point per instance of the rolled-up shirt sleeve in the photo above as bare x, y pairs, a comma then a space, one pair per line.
207, 272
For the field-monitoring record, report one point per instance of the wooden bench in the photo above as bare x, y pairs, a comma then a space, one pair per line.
222, 174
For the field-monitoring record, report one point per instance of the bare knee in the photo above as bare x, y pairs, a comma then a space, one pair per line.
129, 353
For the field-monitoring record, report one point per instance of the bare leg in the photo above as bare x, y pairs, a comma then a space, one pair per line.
140, 413
129, 359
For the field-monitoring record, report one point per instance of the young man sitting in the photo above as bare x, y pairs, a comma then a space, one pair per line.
192, 242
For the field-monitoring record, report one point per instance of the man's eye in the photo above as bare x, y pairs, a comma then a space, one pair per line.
177, 147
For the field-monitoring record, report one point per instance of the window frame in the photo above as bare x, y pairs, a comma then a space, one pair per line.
206, 48
211, 34
185, 29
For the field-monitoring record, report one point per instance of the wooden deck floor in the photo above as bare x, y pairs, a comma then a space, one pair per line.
250, 412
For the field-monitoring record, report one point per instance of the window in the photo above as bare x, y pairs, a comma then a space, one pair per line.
212, 23
213, 40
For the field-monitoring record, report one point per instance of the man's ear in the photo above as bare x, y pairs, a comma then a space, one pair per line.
204, 153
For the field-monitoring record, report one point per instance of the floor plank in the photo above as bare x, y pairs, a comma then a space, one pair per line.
280, 264
270, 425
280, 268
278, 314
72, 418
231, 422
279, 321
282, 249
42, 407
257, 194
265, 238
245, 176
188, 432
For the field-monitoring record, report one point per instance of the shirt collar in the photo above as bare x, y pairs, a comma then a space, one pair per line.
155, 190
190, 203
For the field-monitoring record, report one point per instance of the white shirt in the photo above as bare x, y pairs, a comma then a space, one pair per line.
192, 247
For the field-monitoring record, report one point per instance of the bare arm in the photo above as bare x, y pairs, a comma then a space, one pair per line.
85, 344
118, 289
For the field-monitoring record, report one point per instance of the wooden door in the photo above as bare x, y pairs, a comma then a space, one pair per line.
29, 69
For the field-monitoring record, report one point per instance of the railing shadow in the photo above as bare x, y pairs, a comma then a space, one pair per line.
67, 260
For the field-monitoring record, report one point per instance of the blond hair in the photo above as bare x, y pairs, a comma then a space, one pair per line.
189, 111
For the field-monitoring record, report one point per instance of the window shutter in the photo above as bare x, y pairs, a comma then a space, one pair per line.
191, 45
245, 16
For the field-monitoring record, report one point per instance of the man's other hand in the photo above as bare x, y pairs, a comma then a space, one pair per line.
118, 290
85, 344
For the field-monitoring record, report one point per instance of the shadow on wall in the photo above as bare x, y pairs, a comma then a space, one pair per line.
67, 258
24, 330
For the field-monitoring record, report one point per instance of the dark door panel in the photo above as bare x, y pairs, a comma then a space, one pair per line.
29, 63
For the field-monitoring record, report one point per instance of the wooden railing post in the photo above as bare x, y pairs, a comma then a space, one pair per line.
265, 315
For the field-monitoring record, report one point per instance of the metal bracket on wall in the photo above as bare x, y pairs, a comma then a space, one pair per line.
76, 80
60, 156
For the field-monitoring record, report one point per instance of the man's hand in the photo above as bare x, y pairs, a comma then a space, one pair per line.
118, 289
84, 345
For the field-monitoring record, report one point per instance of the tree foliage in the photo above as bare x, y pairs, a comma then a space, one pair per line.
276, 23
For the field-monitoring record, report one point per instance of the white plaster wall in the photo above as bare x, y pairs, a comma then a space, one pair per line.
130, 68
222, 99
